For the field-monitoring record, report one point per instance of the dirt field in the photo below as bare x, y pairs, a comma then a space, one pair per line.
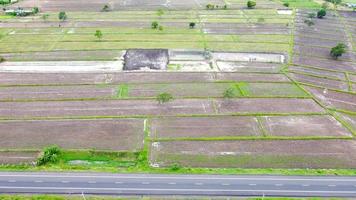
57, 92
18, 157
312, 126
204, 127
256, 154
260, 105
115, 135
132, 77
104, 108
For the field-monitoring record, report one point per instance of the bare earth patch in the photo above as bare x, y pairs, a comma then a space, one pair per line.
116, 135
18, 157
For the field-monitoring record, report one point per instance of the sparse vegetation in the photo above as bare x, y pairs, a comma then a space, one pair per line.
160, 12
45, 17
338, 50
2, 59
35, 10
164, 98
229, 93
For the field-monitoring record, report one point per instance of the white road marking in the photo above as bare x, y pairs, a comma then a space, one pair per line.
252, 184
171, 183
305, 185
188, 190
118, 182
331, 185
11, 181
198, 183
145, 183
38, 181
278, 184
91, 181
225, 184
177, 177
64, 181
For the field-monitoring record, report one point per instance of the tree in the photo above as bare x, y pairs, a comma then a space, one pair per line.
160, 12
164, 98
49, 155
338, 50
210, 6
106, 8
286, 4
62, 16
154, 25
225, 7
251, 4
192, 25
321, 13
45, 17
98, 34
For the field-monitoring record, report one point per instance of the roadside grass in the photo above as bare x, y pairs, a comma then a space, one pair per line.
305, 4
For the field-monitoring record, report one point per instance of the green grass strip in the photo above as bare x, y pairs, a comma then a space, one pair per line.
122, 91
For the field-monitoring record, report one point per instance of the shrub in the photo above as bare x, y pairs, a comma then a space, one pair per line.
321, 13
210, 6
251, 4
164, 98
154, 25
225, 7
98, 34
49, 155
192, 25
2, 59
35, 10
260, 19
175, 167
160, 28
45, 17
338, 50
286, 4
62, 16
106, 8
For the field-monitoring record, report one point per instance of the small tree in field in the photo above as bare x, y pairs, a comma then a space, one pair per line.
251, 4
62, 16
192, 25
98, 34
164, 98
106, 8
321, 13
154, 25
338, 50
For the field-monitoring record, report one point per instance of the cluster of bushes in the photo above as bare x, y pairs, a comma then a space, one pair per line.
155, 25
214, 7
20, 12
4, 2
50, 155
251, 4
320, 14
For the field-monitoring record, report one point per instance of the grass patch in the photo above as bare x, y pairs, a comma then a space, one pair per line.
306, 4
122, 91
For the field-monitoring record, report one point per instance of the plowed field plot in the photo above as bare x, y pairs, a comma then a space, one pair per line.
318, 72
18, 157
205, 127
312, 126
275, 105
256, 154
115, 135
324, 63
57, 92
216, 89
321, 82
132, 77
104, 108
333, 99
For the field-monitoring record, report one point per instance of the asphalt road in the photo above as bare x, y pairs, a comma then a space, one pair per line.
138, 184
